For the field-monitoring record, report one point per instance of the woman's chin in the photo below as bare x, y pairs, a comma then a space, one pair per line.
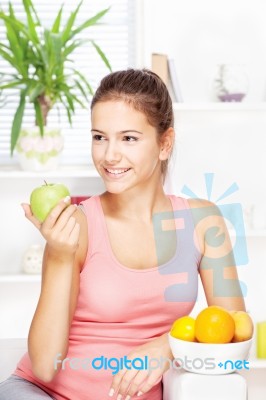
114, 188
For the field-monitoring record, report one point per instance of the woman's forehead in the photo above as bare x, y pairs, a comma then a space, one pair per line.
118, 111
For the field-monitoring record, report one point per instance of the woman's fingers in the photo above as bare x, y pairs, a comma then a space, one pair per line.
66, 233
52, 217
54, 214
30, 216
74, 235
60, 228
61, 223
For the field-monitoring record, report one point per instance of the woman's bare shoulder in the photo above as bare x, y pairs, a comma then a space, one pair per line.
206, 215
208, 212
197, 202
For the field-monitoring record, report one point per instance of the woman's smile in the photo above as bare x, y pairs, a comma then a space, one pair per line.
116, 173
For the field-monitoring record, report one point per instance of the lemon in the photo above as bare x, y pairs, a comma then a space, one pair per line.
184, 328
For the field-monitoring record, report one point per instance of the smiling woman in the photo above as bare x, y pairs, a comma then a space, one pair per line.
121, 158
120, 94
115, 276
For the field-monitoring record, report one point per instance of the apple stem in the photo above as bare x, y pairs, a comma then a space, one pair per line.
45, 182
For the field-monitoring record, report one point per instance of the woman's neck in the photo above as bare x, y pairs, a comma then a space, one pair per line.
134, 203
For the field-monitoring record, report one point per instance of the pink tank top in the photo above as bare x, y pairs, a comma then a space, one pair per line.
119, 308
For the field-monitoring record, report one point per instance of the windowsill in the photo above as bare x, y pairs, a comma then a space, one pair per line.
81, 171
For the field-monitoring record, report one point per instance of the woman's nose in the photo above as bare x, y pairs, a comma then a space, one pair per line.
112, 152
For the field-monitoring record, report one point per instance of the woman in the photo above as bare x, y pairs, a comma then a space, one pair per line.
119, 269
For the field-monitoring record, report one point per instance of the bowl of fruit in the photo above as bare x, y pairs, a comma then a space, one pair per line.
216, 342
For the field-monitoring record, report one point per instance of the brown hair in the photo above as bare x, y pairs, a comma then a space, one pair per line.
144, 91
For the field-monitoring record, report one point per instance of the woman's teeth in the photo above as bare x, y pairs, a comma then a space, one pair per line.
117, 171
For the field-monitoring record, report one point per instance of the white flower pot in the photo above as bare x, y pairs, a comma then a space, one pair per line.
37, 153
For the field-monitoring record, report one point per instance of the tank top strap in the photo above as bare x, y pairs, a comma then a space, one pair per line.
179, 203
96, 232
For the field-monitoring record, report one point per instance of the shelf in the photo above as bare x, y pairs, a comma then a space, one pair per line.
16, 278
220, 107
80, 171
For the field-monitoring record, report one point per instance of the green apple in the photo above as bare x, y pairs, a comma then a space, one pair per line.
46, 197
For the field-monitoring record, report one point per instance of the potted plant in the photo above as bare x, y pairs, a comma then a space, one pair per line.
45, 75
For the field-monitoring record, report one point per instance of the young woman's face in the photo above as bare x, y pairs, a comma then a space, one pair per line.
125, 148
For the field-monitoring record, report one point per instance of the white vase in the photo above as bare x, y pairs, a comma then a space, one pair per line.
32, 260
39, 153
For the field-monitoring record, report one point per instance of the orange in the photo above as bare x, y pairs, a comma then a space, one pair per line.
214, 325
184, 328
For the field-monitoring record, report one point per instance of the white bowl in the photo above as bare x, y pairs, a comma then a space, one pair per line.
209, 358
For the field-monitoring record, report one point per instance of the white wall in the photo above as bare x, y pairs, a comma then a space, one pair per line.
199, 35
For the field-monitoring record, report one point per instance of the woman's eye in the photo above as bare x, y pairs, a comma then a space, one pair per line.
130, 138
98, 137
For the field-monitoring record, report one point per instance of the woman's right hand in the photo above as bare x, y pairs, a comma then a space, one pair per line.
60, 228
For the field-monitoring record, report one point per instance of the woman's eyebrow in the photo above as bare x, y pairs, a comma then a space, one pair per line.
122, 132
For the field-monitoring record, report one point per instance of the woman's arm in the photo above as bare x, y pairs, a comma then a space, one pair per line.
217, 269
65, 230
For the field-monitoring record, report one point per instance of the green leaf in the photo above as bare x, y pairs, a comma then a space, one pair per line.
66, 34
11, 84
36, 91
67, 110
69, 101
76, 99
28, 6
11, 11
15, 46
17, 121
4, 46
15, 22
52, 54
30, 3
8, 57
8, 75
56, 48
77, 43
102, 55
39, 116
89, 22
82, 77
23, 34
83, 92
69, 116
57, 22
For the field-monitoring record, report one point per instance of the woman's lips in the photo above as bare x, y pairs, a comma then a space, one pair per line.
116, 173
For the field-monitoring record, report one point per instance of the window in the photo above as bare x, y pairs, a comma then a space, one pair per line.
113, 35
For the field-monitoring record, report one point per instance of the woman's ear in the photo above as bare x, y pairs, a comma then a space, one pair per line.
166, 144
